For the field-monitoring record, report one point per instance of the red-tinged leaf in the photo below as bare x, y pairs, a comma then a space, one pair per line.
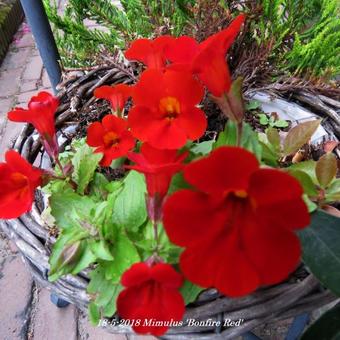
236, 100
330, 145
299, 135
325, 169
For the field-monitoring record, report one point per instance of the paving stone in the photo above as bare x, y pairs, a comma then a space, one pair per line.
26, 40
33, 69
29, 85
140, 337
24, 98
10, 132
45, 80
16, 58
9, 82
15, 298
52, 323
89, 332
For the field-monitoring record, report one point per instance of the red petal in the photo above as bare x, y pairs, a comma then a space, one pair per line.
139, 50
143, 122
19, 115
220, 263
193, 122
95, 133
189, 217
115, 124
275, 252
182, 50
136, 274
226, 169
145, 92
166, 135
184, 87
213, 71
166, 275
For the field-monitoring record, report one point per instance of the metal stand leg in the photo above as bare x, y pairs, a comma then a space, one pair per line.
59, 302
43, 36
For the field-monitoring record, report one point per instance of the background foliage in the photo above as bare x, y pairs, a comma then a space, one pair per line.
290, 37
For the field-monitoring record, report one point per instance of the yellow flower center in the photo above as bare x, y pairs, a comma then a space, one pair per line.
170, 107
111, 139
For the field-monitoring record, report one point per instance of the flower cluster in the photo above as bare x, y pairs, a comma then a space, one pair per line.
237, 232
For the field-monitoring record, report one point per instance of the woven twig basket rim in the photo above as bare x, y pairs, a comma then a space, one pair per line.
33, 241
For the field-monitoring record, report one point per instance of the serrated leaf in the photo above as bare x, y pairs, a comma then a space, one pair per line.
125, 254
326, 168
326, 327
64, 204
299, 135
98, 187
190, 291
130, 206
321, 249
101, 250
85, 162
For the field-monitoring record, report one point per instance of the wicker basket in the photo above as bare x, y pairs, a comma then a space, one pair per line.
34, 240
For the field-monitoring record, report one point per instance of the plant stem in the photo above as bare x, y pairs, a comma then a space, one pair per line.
239, 133
156, 235
60, 166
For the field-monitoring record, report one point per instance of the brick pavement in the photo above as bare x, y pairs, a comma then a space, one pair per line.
26, 310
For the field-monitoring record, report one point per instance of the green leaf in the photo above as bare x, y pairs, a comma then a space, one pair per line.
249, 138
178, 182
228, 136
253, 105
311, 206
307, 183
130, 206
299, 135
98, 187
263, 119
250, 141
308, 167
94, 314
190, 291
85, 162
333, 191
281, 123
101, 250
326, 168
67, 206
125, 254
202, 148
321, 249
326, 327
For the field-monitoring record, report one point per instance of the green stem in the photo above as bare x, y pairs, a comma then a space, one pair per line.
156, 235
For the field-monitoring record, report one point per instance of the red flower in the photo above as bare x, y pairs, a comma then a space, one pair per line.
238, 226
111, 138
117, 95
165, 113
40, 114
151, 294
18, 181
149, 52
206, 60
158, 167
